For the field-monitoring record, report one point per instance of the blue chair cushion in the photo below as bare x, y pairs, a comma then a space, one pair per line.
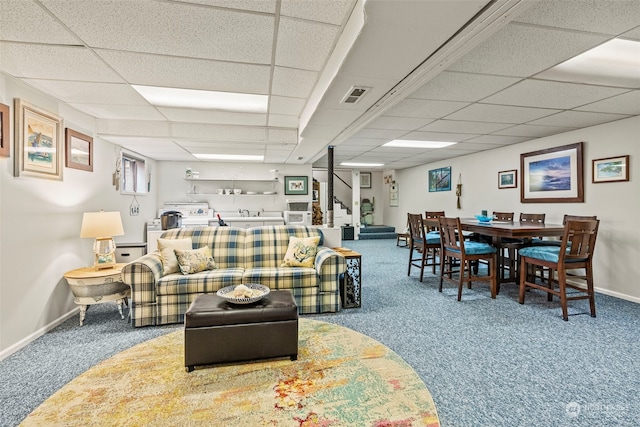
539, 242
433, 238
478, 248
545, 253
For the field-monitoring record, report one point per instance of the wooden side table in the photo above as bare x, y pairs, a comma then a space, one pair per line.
92, 286
351, 284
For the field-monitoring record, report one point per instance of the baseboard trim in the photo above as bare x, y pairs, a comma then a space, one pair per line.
617, 295
37, 334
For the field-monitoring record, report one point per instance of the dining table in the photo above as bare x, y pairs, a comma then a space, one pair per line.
498, 232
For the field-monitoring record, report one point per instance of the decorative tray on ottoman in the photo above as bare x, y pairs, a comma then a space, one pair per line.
256, 290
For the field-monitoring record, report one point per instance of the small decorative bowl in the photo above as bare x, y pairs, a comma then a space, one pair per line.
227, 293
237, 191
483, 218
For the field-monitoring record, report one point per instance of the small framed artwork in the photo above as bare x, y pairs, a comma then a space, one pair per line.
79, 150
294, 185
552, 175
610, 169
440, 179
4, 131
38, 142
393, 195
316, 195
508, 179
365, 179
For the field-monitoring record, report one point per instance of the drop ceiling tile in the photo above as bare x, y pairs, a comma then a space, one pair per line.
120, 112
425, 108
577, 119
329, 11
463, 127
533, 131
221, 148
286, 136
452, 86
293, 83
27, 21
626, 103
498, 140
521, 50
279, 120
438, 136
204, 74
141, 26
601, 16
178, 156
89, 92
286, 105
218, 132
188, 115
546, 94
63, 63
480, 146
266, 6
398, 123
304, 44
387, 134
633, 34
140, 128
362, 142
499, 113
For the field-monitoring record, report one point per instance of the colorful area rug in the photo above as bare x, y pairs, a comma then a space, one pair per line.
341, 378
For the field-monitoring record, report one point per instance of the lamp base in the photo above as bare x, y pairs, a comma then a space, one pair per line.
105, 253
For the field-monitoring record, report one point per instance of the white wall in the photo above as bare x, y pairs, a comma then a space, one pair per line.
40, 223
616, 204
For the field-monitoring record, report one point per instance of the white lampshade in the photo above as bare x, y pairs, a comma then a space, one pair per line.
101, 224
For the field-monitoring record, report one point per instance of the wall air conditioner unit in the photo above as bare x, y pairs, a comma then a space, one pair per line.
354, 94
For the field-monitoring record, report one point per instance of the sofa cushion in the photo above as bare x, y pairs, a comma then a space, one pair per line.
227, 243
205, 282
282, 278
195, 260
167, 249
301, 252
266, 246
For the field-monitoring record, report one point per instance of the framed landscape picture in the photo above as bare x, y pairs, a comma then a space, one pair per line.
440, 179
79, 150
365, 179
611, 169
508, 179
296, 185
38, 142
553, 175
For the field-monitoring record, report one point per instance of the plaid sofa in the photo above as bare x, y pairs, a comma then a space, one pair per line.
250, 255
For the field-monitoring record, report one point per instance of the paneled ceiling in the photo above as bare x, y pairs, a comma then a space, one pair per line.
470, 72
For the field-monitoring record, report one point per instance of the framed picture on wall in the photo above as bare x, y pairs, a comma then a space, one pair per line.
79, 150
296, 185
508, 179
611, 169
365, 179
5, 145
38, 142
440, 179
553, 175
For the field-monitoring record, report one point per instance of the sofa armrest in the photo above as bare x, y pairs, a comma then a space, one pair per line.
143, 275
329, 265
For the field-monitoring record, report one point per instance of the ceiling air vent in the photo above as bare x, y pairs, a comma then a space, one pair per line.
354, 94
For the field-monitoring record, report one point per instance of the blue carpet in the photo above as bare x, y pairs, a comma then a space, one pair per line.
486, 362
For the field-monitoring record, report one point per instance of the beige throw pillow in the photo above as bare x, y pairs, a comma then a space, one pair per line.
167, 249
301, 252
195, 261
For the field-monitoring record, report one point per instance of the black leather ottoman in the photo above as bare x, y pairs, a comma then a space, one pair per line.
219, 332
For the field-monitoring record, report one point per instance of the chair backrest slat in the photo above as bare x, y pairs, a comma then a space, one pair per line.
576, 218
432, 215
535, 218
503, 216
449, 233
579, 240
416, 227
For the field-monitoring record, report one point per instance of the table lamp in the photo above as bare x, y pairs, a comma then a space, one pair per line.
102, 226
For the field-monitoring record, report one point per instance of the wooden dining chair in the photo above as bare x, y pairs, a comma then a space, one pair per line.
503, 259
574, 253
503, 216
423, 244
467, 252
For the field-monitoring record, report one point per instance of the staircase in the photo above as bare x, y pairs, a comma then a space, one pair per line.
377, 232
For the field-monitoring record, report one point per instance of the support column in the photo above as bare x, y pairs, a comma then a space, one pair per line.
330, 187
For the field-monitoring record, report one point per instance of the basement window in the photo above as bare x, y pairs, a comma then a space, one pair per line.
133, 175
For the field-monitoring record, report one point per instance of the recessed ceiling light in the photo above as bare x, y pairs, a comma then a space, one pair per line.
614, 63
361, 164
407, 143
203, 99
239, 157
